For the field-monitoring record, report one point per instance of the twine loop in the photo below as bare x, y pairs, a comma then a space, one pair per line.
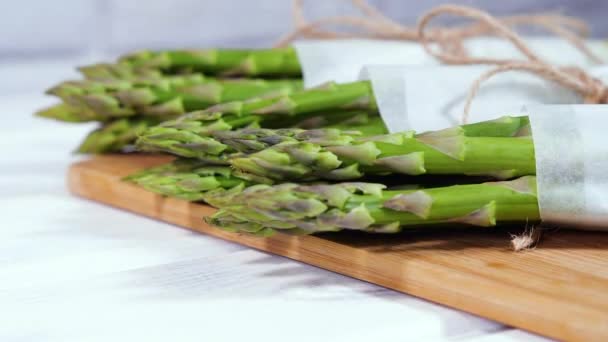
591, 89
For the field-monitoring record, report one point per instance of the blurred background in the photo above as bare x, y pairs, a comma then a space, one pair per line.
52, 36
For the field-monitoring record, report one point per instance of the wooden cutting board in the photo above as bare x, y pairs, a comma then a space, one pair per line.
559, 289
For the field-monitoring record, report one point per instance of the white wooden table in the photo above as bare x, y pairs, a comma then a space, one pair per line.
73, 270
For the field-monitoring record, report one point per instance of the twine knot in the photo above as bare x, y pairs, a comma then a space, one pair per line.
594, 91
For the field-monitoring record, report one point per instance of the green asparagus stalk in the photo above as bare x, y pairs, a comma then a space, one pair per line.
116, 136
506, 126
276, 62
221, 141
118, 71
165, 97
435, 153
66, 113
329, 96
257, 139
209, 144
306, 209
167, 176
120, 135
187, 179
188, 135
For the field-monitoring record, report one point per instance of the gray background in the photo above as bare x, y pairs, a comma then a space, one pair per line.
34, 28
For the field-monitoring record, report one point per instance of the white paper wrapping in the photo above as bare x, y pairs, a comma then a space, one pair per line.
389, 83
427, 98
571, 163
341, 60
551, 49
431, 98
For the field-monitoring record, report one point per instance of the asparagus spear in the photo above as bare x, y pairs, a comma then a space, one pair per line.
162, 97
208, 144
441, 152
306, 209
275, 62
257, 139
118, 71
66, 113
187, 179
212, 140
329, 96
120, 135
116, 136
188, 136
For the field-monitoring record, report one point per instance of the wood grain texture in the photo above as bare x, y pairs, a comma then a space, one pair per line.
559, 289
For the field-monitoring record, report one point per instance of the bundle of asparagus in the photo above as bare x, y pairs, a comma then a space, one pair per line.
182, 135
164, 97
150, 87
298, 155
239, 139
444, 152
188, 136
502, 148
192, 178
304, 209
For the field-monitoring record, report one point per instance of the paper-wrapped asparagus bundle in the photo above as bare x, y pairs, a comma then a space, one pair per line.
564, 186
241, 142
147, 102
383, 208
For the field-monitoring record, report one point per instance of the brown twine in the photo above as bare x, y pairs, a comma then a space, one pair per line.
574, 78
527, 240
376, 25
